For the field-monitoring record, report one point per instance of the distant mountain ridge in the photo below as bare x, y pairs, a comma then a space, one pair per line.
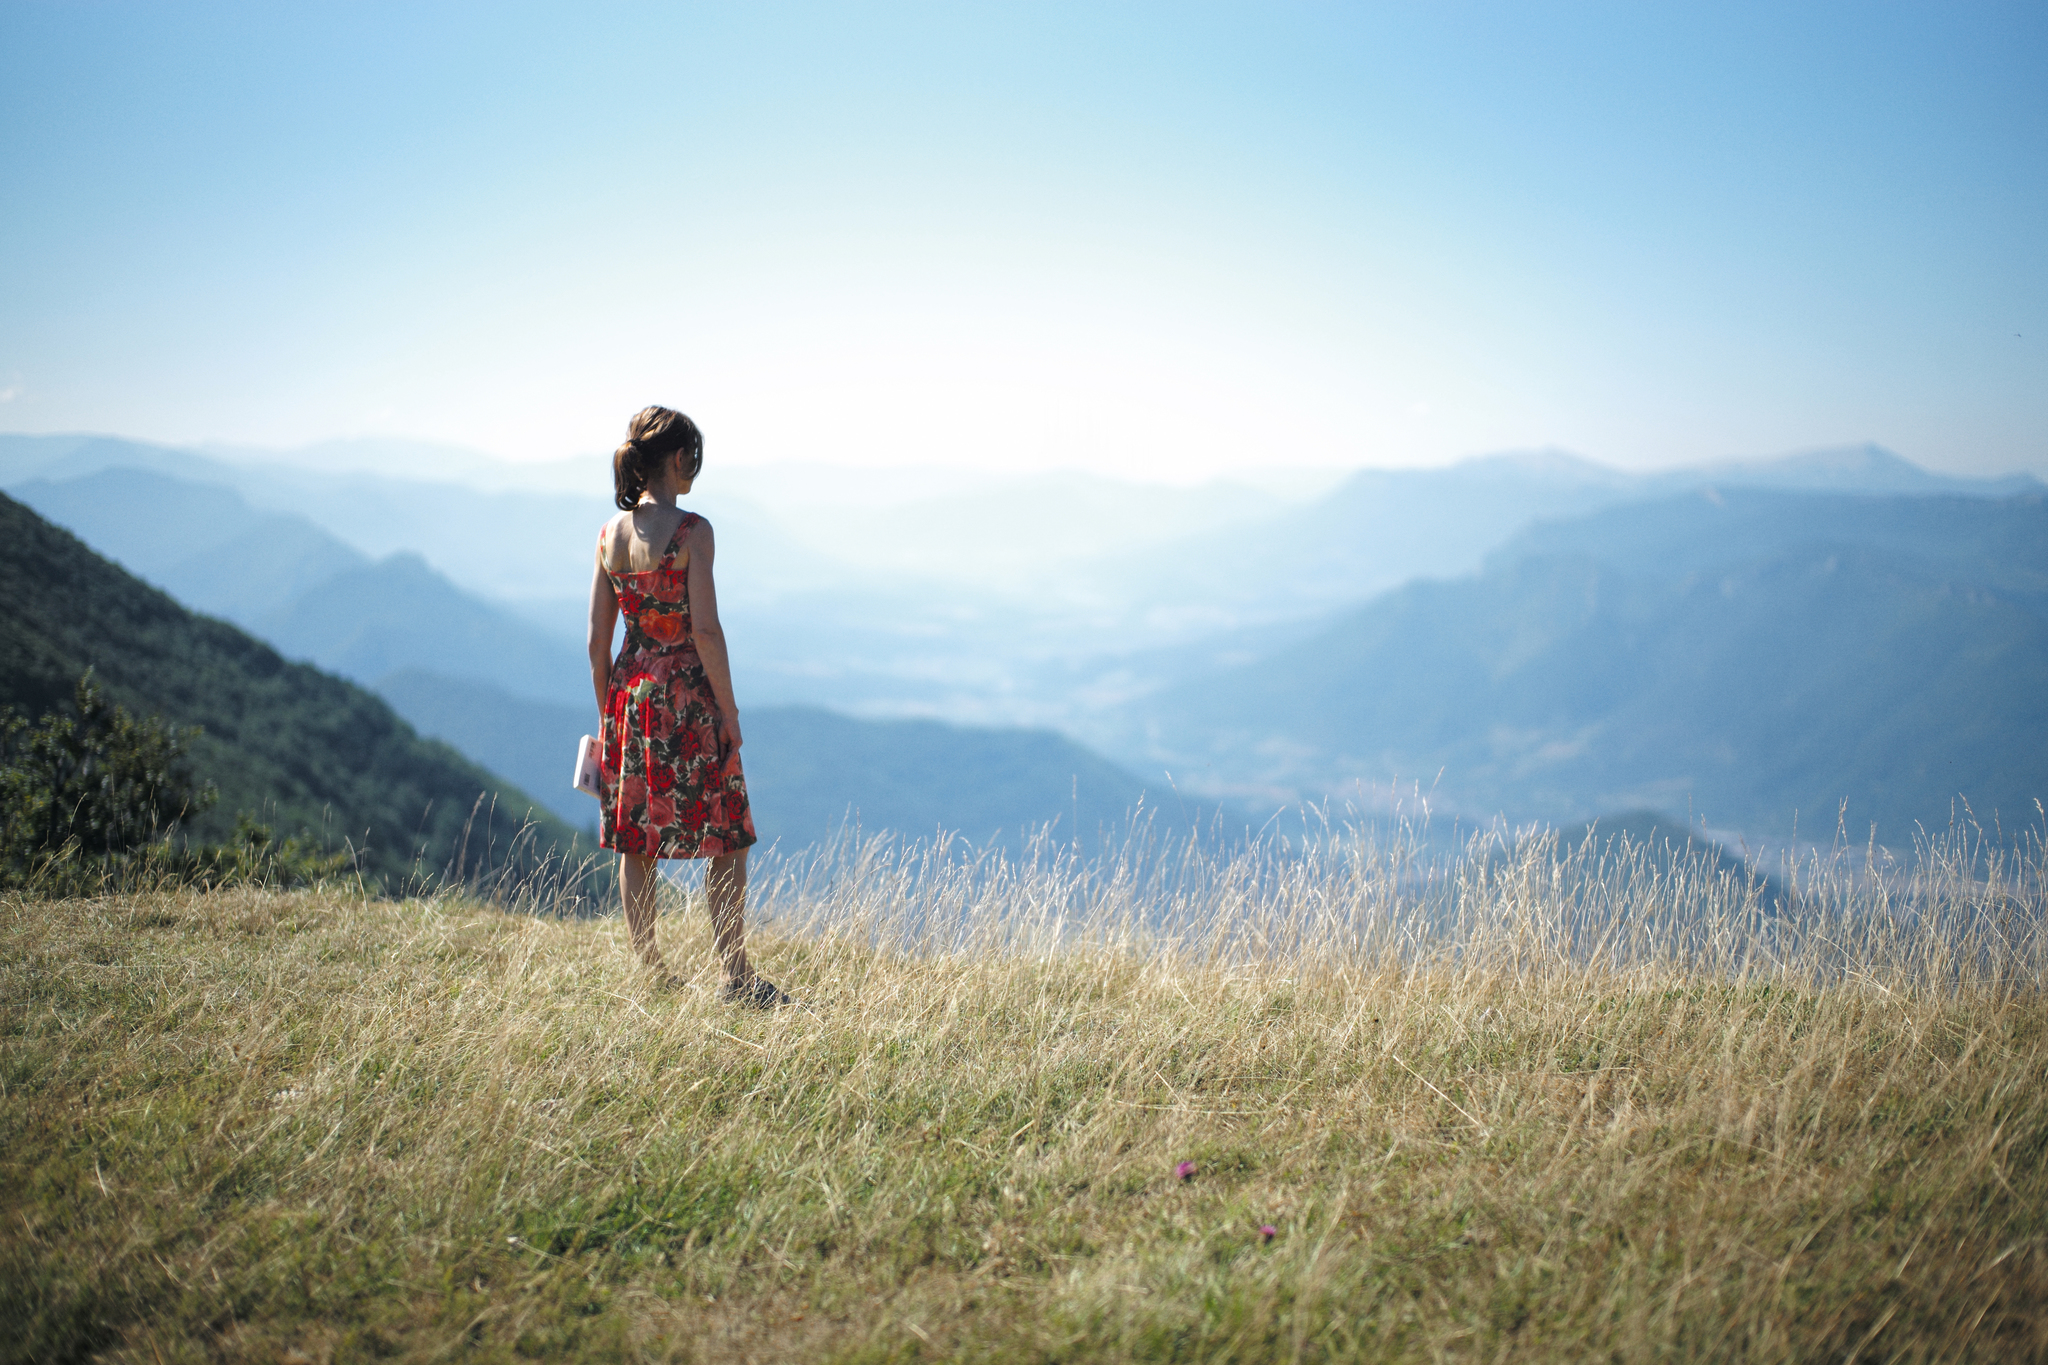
1384, 527
398, 613
1086, 548
812, 772
1746, 654
310, 595
515, 698
1995, 542
1867, 469
501, 538
203, 543
815, 771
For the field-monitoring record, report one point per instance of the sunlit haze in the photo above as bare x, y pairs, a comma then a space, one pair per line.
1164, 243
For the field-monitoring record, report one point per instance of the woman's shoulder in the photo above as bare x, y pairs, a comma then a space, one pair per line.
613, 538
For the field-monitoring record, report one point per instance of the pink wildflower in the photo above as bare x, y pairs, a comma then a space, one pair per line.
1184, 1171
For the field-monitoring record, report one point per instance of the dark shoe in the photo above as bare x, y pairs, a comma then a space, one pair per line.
759, 994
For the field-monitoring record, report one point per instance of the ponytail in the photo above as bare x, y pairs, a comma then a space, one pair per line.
653, 436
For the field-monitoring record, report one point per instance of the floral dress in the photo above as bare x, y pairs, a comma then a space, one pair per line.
669, 786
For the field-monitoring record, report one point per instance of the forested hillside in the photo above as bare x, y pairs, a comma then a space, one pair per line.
297, 747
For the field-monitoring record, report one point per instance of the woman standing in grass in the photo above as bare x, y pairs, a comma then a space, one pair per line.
670, 783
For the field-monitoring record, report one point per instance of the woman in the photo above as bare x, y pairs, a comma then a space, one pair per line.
670, 783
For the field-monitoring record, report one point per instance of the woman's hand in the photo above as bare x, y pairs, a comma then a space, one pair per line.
729, 727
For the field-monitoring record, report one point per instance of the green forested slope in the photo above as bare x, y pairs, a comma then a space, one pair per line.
298, 747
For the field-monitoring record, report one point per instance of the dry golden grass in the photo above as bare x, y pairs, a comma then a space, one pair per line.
1545, 1107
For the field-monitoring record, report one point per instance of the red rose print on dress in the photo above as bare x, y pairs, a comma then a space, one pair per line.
671, 787
668, 629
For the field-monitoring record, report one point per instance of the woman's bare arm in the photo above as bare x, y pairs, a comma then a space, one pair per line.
604, 617
705, 628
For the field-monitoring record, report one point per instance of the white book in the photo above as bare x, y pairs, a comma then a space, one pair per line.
584, 779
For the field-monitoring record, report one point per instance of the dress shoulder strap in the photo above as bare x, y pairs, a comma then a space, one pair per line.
676, 538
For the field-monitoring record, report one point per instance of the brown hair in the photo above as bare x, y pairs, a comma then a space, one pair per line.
652, 436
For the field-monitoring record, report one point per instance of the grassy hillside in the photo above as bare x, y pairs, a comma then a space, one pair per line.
1749, 658
297, 746
1559, 1110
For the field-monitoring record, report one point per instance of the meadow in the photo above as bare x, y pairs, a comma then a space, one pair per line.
1325, 1101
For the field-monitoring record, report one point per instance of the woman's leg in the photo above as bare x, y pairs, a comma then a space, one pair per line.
725, 887
637, 883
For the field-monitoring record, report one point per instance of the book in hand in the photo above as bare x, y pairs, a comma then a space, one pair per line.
584, 779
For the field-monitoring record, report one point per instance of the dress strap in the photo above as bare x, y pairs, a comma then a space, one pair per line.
675, 538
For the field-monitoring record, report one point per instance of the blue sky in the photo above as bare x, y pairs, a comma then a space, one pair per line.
1153, 241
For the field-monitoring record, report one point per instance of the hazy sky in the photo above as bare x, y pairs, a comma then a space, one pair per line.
1158, 241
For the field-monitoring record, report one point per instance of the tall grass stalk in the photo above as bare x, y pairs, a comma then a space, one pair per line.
1532, 1102
1959, 911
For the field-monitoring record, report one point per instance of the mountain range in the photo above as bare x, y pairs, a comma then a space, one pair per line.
1530, 634
515, 697
1755, 658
